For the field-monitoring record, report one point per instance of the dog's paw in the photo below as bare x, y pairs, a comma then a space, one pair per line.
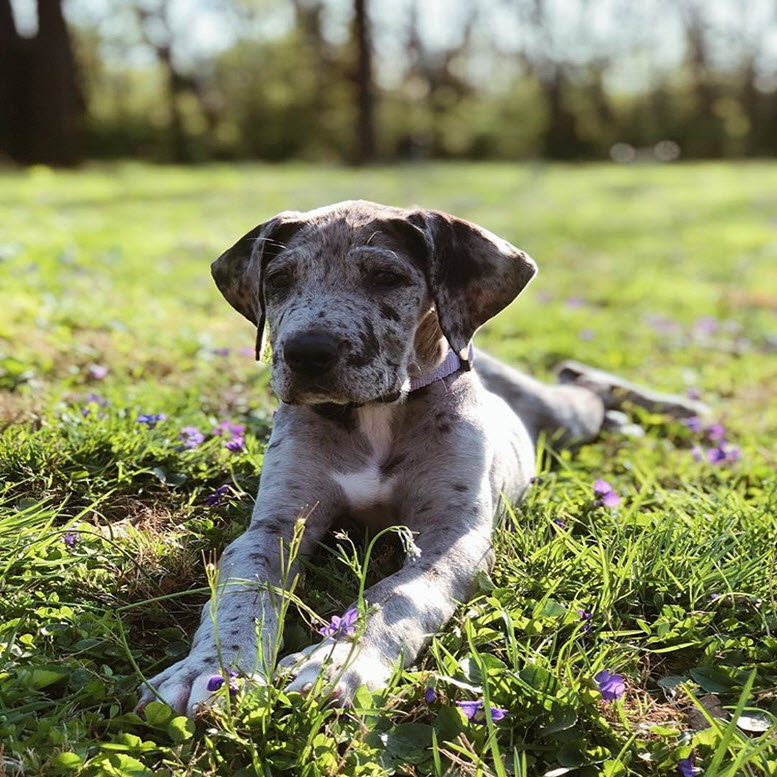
189, 685
335, 668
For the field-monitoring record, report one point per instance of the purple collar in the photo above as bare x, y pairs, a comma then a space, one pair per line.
450, 364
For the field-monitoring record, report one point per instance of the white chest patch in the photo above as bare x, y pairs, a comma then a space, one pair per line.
367, 487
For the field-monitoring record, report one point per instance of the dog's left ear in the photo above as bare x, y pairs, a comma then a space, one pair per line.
472, 274
238, 271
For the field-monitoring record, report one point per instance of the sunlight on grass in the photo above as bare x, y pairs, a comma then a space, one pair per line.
109, 511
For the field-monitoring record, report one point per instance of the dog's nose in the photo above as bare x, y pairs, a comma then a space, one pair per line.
310, 353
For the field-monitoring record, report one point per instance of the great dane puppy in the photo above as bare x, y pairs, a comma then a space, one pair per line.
388, 415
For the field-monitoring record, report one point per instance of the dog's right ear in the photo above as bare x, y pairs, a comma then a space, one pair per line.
238, 271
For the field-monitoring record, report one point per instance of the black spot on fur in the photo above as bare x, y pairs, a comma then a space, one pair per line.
276, 523
359, 360
461, 488
370, 343
234, 647
388, 312
442, 422
341, 415
423, 391
274, 444
392, 464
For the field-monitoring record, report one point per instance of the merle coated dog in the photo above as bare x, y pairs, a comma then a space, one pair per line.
389, 415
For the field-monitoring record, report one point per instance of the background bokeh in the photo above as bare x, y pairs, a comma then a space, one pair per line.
359, 80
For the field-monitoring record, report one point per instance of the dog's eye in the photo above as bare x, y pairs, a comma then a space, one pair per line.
386, 279
278, 280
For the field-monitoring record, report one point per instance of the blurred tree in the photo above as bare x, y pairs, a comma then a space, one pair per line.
365, 95
430, 76
704, 135
12, 57
158, 33
281, 79
42, 99
547, 64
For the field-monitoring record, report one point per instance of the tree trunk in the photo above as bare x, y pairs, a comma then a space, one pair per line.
12, 116
751, 105
706, 128
560, 137
365, 99
176, 85
55, 98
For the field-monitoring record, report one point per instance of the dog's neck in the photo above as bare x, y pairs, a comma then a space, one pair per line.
430, 348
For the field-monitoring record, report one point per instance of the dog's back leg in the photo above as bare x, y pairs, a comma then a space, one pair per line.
565, 414
585, 401
615, 392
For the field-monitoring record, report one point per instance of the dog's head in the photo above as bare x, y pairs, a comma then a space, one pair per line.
357, 296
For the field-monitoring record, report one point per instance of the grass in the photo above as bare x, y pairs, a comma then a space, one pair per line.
667, 275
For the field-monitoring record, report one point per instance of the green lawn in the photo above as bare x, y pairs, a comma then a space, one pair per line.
667, 275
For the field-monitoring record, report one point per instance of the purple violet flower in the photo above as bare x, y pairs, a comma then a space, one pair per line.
96, 399
191, 437
587, 617
221, 351
341, 627
605, 495
733, 453
217, 497
706, 325
237, 443
575, 303
721, 454
611, 686
716, 455
661, 324
97, 371
476, 713
247, 351
227, 428
693, 423
559, 523
216, 681
693, 393
686, 768
151, 419
70, 539
716, 432
235, 433
430, 695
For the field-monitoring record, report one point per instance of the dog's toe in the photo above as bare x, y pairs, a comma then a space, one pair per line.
336, 670
187, 686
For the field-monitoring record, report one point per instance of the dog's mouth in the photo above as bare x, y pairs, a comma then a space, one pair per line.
317, 393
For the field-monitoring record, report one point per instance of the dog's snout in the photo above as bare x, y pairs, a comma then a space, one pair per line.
310, 353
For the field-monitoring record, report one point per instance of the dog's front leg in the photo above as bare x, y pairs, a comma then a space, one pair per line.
405, 610
250, 569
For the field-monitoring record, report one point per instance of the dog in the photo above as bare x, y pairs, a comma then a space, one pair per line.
389, 415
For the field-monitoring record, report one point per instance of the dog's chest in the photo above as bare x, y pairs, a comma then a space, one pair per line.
367, 488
